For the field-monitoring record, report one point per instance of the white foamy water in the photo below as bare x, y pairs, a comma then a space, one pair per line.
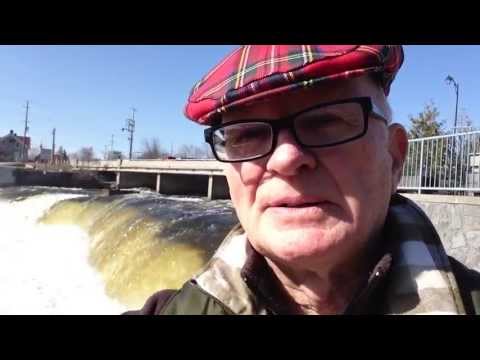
143, 191
44, 268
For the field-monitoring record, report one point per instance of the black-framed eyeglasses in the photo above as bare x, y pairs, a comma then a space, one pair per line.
322, 125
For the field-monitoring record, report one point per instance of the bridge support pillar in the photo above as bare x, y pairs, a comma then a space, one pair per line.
217, 188
157, 187
210, 187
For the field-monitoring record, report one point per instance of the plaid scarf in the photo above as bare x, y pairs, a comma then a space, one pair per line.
417, 281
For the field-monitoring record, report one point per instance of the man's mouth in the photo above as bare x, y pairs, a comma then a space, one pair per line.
296, 202
302, 205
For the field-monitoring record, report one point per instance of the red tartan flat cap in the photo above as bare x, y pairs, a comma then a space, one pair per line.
252, 72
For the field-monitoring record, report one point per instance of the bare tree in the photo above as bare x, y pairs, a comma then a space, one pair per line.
86, 154
115, 155
33, 153
208, 152
152, 149
184, 151
465, 123
199, 152
194, 152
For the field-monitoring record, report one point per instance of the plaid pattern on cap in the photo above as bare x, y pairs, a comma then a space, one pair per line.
254, 71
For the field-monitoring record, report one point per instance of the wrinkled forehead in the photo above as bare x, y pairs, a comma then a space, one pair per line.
288, 103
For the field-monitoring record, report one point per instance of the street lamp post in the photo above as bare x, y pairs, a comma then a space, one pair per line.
451, 80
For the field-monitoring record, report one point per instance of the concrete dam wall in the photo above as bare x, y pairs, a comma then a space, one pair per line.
457, 220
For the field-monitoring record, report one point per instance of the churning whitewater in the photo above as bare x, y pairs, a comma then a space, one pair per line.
73, 251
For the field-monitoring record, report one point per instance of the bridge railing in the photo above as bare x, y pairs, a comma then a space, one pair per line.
177, 166
443, 163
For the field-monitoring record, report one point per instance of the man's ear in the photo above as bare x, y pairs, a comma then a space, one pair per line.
397, 147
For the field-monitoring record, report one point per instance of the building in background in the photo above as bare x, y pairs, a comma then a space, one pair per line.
45, 156
12, 147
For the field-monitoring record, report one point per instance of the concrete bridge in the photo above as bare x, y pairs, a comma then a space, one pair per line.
186, 177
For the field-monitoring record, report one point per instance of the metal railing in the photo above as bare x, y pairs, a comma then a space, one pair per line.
443, 163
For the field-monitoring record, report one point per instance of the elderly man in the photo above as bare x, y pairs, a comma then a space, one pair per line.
312, 161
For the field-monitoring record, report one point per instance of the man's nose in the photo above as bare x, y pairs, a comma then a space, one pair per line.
289, 157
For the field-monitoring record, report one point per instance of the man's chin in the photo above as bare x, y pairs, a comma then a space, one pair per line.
298, 245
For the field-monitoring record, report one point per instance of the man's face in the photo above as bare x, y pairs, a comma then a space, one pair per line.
304, 207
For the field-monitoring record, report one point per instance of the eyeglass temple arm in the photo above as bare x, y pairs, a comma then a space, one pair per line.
377, 112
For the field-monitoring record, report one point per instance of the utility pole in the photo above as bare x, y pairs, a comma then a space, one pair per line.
131, 129
53, 145
109, 150
111, 147
24, 152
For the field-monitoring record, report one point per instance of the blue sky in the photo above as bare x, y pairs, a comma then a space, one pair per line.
86, 92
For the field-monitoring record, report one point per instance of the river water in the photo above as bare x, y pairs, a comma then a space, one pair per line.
75, 251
